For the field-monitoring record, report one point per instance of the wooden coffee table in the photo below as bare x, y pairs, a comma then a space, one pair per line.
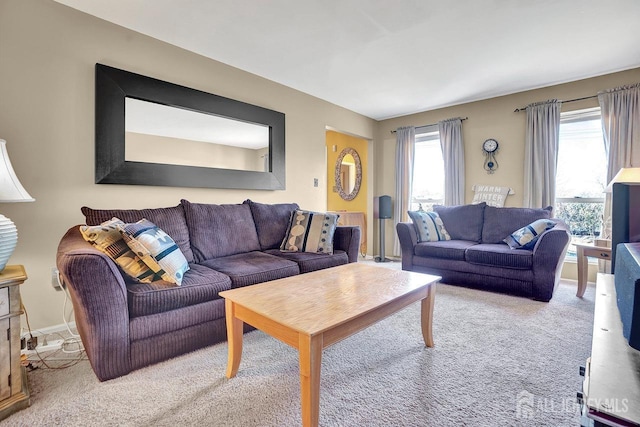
314, 310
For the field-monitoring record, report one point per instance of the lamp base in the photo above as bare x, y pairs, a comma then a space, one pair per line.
8, 240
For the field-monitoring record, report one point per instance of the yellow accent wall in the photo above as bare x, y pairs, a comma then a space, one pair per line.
342, 141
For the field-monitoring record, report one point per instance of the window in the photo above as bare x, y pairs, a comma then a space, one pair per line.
428, 169
581, 174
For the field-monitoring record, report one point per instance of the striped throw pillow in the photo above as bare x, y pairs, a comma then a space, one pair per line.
429, 226
107, 239
310, 232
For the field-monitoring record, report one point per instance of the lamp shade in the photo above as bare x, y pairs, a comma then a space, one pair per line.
624, 176
10, 191
10, 188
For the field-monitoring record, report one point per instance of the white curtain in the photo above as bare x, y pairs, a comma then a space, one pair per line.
405, 148
620, 110
541, 153
453, 155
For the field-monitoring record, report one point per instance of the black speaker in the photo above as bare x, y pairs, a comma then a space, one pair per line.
384, 207
382, 211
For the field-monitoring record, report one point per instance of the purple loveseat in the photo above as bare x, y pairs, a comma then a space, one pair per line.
477, 257
126, 325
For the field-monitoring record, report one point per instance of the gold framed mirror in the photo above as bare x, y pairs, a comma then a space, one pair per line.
348, 174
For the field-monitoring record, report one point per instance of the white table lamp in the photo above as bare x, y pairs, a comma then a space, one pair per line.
10, 191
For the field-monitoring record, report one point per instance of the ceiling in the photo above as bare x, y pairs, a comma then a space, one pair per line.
389, 58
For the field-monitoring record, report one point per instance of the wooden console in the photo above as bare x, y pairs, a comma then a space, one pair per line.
611, 387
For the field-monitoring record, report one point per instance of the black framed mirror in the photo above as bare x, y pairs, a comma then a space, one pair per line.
118, 161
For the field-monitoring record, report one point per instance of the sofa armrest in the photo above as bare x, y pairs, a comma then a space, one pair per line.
548, 257
408, 240
99, 296
347, 238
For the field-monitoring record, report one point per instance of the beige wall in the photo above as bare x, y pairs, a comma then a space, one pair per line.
492, 118
143, 147
47, 58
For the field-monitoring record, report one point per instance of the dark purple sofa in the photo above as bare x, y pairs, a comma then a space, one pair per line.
126, 325
477, 257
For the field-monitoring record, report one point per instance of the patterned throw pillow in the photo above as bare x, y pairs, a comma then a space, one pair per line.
429, 226
527, 236
157, 249
107, 239
310, 232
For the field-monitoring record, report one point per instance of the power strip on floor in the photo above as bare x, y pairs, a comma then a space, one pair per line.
52, 345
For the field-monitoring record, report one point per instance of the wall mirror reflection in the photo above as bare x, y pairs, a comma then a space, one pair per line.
348, 174
152, 132
156, 133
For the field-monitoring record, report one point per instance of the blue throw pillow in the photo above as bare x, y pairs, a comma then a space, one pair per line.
156, 249
527, 236
429, 226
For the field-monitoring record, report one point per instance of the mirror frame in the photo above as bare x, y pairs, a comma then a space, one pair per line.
338, 178
114, 85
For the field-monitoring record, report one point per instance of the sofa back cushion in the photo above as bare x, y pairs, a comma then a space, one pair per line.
220, 230
271, 222
501, 222
462, 222
171, 220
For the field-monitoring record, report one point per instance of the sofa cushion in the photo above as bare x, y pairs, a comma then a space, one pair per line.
310, 232
272, 221
253, 267
463, 222
156, 249
220, 230
107, 238
429, 226
499, 255
171, 220
308, 261
527, 236
500, 222
446, 249
200, 284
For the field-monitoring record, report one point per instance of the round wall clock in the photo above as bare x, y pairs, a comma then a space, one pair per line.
490, 146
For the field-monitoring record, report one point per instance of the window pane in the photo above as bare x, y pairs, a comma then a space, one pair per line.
428, 172
582, 163
581, 176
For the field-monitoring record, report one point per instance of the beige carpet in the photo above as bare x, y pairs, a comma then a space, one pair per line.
498, 360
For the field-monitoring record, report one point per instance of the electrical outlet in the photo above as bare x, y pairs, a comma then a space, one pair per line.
32, 343
55, 279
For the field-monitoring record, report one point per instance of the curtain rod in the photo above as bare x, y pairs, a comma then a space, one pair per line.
517, 110
432, 124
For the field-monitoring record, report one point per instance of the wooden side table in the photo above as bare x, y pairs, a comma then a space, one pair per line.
584, 251
14, 393
355, 218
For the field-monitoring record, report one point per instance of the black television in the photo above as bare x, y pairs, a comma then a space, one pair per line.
625, 216
625, 257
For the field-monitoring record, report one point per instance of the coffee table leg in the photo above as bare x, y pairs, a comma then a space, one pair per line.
310, 354
234, 339
427, 316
